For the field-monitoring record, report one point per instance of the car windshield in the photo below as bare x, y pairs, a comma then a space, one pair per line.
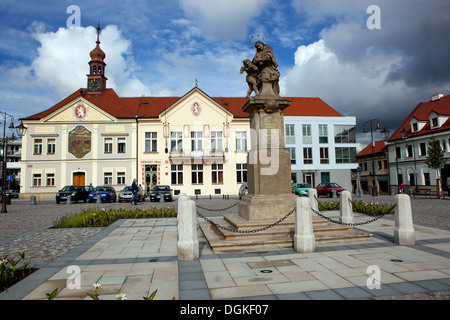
333, 185
127, 189
100, 189
69, 188
161, 188
303, 185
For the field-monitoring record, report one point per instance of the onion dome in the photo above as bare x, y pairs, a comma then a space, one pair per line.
97, 54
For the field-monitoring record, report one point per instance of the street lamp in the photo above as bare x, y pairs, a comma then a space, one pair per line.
21, 130
370, 123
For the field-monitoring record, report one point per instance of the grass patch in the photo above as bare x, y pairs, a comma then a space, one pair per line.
106, 217
371, 209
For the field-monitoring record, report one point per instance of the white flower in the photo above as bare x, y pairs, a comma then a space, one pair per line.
96, 286
121, 296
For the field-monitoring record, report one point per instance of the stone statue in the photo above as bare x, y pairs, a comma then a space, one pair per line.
267, 74
252, 77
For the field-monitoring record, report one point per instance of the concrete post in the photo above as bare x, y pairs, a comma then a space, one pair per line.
99, 199
181, 198
304, 239
69, 199
313, 202
404, 228
32, 200
188, 247
346, 208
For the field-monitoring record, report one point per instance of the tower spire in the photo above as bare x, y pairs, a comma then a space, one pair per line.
96, 76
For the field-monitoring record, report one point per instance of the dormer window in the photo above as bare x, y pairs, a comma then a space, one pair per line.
415, 127
434, 122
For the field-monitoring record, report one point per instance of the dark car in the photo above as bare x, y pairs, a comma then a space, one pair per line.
126, 194
78, 193
106, 193
327, 189
161, 191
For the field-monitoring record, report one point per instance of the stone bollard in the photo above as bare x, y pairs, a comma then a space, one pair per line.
333, 194
313, 202
404, 228
304, 239
346, 210
99, 199
69, 199
181, 198
33, 200
188, 246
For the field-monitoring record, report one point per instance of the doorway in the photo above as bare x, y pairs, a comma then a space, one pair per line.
79, 179
308, 177
151, 177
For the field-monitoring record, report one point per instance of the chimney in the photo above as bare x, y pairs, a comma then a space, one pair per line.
436, 97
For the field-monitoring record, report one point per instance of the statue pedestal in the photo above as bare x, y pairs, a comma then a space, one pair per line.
269, 164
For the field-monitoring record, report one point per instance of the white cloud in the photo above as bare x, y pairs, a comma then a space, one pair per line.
228, 19
61, 64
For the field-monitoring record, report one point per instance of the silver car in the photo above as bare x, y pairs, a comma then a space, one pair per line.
126, 194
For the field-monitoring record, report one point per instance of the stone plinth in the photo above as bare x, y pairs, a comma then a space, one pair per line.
269, 164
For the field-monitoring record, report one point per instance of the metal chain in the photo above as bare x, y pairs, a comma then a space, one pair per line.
234, 205
353, 224
245, 231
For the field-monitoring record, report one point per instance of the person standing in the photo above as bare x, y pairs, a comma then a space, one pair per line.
134, 191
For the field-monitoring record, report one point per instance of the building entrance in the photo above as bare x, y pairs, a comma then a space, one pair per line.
151, 177
79, 179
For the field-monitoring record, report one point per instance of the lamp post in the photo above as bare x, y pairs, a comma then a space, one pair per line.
372, 173
21, 129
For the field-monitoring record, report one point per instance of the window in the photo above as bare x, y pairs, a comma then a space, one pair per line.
306, 132
50, 179
241, 172
380, 164
37, 180
426, 178
151, 142
409, 151
423, 149
216, 141
37, 146
307, 156
290, 133
415, 127
176, 141
177, 174
344, 134
398, 152
196, 141
323, 133
51, 146
121, 178
108, 178
121, 145
434, 122
217, 173
197, 173
345, 155
108, 145
241, 140
292, 155
324, 158
412, 180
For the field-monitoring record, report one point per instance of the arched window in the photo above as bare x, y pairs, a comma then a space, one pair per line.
94, 68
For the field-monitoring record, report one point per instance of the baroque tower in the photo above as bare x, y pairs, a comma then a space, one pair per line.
96, 78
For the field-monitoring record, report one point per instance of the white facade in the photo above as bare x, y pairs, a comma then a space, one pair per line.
322, 149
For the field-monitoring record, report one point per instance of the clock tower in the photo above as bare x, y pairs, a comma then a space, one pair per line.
96, 82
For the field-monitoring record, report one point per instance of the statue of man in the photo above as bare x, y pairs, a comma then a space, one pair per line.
267, 64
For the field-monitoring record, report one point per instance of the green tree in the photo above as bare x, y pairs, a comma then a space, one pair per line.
435, 159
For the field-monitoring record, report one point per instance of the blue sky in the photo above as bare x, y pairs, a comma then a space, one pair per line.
158, 48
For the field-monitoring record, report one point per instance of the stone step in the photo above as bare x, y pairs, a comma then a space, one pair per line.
278, 236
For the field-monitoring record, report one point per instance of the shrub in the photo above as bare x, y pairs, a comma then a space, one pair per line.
371, 209
105, 217
12, 271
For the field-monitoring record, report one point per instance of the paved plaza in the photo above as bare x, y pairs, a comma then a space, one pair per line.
137, 257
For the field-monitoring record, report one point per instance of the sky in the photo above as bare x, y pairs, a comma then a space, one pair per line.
372, 59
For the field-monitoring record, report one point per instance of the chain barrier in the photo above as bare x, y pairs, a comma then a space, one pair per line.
206, 209
353, 224
242, 231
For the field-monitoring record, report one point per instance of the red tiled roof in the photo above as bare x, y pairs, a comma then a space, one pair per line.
151, 107
380, 147
421, 113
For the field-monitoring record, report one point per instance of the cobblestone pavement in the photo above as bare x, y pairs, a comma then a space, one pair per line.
27, 228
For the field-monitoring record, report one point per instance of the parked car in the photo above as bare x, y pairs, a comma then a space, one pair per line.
126, 194
12, 193
106, 193
78, 193
243, 190
161, 191
301, 189
327, 189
